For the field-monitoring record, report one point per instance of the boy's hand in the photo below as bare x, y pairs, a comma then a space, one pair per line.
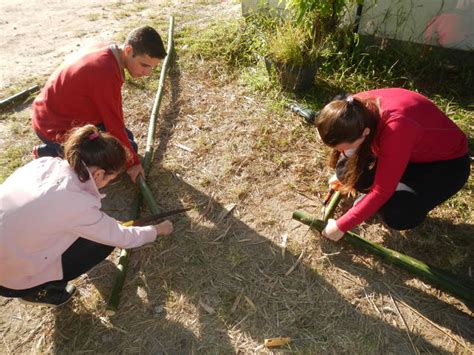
164, 228
134, 171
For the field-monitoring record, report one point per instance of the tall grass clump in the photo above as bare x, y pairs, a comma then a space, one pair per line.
232, 44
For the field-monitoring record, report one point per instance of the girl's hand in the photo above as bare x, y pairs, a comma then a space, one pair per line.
331, 231
334, 183
164, 228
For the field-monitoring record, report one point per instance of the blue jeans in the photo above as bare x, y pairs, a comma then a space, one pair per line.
54, 149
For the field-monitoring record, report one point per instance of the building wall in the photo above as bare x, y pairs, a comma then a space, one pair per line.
249, 6
448, 23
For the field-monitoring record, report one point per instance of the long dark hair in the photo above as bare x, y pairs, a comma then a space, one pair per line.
86, 146
344, 121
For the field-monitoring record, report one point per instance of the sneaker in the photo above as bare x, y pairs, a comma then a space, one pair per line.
47, 150
403, 187
51, 296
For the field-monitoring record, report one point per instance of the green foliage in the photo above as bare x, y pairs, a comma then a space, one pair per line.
349, 63
311, 30
319, 15
321, 8
290, 44
236, 43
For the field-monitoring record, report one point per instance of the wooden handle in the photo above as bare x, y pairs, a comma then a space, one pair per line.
273, 342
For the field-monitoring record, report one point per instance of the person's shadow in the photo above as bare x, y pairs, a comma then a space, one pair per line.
423, 243
217, 284
87, 325
218, 277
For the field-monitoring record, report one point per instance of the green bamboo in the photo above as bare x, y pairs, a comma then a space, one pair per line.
145, 192
442, 279
158, 97
154, 218
19, 96
331, 207
122, 265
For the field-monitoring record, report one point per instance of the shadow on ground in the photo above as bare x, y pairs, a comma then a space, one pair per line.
217, 286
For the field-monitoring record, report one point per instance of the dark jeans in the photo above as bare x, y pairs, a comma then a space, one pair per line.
79, 258
53, 149
433, 182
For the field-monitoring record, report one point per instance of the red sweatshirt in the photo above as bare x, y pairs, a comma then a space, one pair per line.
87, 90
411, 130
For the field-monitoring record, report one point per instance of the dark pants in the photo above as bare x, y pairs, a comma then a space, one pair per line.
79, 258
53, 149
433, 182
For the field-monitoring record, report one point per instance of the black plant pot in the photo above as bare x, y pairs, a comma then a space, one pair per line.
294, 77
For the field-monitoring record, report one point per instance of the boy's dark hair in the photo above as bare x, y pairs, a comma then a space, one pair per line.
146, 41
86, 146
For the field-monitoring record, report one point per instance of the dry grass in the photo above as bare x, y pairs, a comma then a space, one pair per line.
223, 282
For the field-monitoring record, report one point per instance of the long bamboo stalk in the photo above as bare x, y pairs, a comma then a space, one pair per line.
442, 279
114, 299
19, 96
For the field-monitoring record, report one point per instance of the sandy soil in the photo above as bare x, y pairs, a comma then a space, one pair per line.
37, 35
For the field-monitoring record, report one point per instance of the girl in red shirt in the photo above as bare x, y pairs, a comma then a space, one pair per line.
396, 146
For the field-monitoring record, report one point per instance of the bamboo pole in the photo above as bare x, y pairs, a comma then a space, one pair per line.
145, 192
331, 208
122, 265
152, 219
19, 96
440, 278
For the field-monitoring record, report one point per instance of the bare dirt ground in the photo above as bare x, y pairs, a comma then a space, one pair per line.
37, 35
225, 281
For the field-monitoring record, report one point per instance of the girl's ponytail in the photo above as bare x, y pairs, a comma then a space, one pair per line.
344, 121
86, 146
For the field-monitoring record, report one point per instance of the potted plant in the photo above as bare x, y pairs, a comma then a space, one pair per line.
299, 44
294, 55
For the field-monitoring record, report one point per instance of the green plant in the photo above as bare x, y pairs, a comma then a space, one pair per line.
325, 12
319, 18
291, 44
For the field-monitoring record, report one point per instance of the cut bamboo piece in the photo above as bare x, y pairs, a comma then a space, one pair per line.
331, 207
442, 279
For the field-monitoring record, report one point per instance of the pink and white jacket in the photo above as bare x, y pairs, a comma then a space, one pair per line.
44, 209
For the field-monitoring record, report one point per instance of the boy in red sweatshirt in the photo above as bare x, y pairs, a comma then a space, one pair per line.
88, 91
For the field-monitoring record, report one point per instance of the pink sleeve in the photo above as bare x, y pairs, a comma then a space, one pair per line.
95, 225
397, 140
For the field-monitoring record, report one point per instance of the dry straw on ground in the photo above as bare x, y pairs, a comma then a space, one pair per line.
225, 280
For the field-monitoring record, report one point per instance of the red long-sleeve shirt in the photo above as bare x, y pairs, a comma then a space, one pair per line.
411, 130
85, 91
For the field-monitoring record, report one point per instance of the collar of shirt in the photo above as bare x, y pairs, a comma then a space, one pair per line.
91, 187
